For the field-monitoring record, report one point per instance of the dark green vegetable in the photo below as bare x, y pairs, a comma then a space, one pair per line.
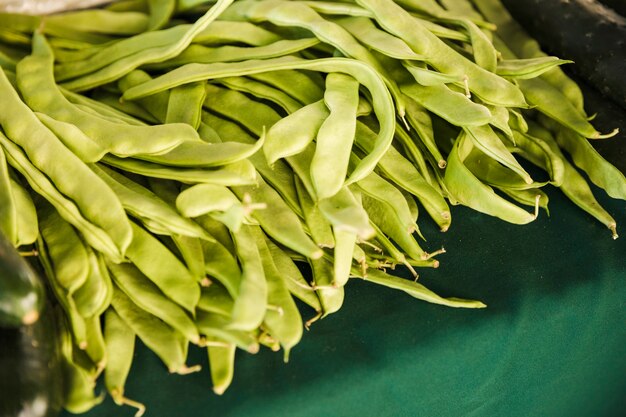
30, 371
21, 291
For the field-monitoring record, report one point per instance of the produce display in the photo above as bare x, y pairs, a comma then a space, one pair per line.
183, 171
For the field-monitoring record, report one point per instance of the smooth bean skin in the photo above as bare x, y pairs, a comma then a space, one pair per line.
523, 46
331, 297
35, 75
216, 299
169, 345
574, 185
416, 290
120, 346
318, 226
251, 302
79, 383
489, 87
333, 146
287, 13
94, 296
222, 364
236, 173
599, 170
164, 269
148, 297
8, 209
484, 138
44, 150
262, 91
142, 203
403, 173
143, 55
231, 53
94, 235
293, 278
283, 322
468, 190
27, 228
344, 212
278, 220
381, 98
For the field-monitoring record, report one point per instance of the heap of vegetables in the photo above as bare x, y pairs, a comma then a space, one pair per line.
177, 164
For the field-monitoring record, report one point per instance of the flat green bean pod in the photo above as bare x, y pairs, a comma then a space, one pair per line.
366, 32
79, 383
35, 75
402, 172
222, 363
192, 252
523, 46
146, 295
468, 190
169, 345
8, 207
94, 296
262, 91
205, 155
231, 53
331, 297
318, 226
26, 223
288, 13
216, 299
528, 67
142, 203
344, 212
164, 269
44, 150
233, 32
251, 302
172, 46
236, 173
283, 321
185, 104
278, 220
74, 139
599, 170
293, 278
381, 99
486, 85
485, 139
41, 184
98, 21
216, 326
297, 84
452, 106
120, 346
161, 11
416, 290
574, 185
333, 145
202, 199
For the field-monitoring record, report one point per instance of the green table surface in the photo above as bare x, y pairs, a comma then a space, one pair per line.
552, 341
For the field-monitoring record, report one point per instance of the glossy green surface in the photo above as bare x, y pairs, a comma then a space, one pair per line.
551, 342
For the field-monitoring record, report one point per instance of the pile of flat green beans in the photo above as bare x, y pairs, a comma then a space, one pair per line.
177, 165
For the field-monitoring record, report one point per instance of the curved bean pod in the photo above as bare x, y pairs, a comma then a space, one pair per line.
381, 99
